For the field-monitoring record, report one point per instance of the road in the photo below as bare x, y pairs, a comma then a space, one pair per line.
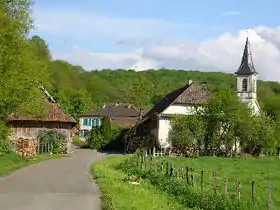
58, 184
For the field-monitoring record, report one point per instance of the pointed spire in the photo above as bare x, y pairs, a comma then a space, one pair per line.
246, 67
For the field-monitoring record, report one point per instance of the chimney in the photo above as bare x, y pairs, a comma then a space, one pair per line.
190, 82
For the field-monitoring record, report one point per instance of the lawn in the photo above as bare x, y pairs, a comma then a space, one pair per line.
261, 170
118, 195
11, 162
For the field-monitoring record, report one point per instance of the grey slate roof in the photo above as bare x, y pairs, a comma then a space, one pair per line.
246, 67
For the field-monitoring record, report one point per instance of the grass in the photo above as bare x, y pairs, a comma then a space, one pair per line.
261, 170
79, 143
12, 161
118, 195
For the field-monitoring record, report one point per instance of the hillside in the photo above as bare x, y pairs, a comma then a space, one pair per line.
78, 90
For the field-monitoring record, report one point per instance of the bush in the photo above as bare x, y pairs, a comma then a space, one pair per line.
5, 147
55, 138
115, 142
106, 129
96, 139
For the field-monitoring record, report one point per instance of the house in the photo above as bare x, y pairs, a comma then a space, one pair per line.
156, 124
56, 119
247, 80
122, 115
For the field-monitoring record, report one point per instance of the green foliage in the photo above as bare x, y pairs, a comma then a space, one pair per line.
54, 138
106, 129
188, 131
222, 125
96, 139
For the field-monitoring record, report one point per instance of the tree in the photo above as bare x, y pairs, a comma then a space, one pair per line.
106, 129
21, 74
96, 139
223, 114
188, 133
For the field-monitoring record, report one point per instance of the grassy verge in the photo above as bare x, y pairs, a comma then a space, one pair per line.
11, 162
118, 195
260, 170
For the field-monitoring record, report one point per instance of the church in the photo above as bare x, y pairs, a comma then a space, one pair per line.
247, 80
156, 124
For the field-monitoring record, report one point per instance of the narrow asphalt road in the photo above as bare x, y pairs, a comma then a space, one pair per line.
58, 184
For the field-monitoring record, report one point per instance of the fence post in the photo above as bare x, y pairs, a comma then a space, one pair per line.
269, 197
187, 174
214, 175
145, 163
253, 191
156, 166
162, 165
238, 194
167, 168
226, 187
201, 180
171, 170
154, 151
192, 176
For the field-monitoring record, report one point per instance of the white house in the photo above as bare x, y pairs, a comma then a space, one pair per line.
156, 124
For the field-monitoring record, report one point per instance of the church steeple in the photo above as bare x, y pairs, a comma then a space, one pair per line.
246, 77
246, 67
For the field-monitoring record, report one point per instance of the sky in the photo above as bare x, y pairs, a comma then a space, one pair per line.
179, 34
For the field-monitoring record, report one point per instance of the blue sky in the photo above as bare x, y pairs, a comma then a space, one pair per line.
123, 26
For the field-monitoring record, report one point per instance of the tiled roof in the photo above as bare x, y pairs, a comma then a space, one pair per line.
115, 111
192, 94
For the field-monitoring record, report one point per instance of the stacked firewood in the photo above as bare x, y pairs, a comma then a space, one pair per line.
63, 147
26, 147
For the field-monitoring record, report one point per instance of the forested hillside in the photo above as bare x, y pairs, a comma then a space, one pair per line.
78, 90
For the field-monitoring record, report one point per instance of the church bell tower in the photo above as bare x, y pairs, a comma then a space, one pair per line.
247, 80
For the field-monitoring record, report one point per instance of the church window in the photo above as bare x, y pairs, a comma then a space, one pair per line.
244, 85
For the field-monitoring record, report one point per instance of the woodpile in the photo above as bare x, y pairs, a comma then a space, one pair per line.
63, 147
27, 147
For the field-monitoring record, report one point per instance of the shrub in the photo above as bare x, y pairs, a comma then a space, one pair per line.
96, 139
115, 143
54, 138
106, 129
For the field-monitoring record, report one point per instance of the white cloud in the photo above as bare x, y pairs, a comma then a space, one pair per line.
220, 54
230, 13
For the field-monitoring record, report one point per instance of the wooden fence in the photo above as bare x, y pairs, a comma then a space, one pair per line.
44, 147
198, 180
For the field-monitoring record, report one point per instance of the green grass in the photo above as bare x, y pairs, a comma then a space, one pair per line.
12, 161
79, 143
118, 195
261, 170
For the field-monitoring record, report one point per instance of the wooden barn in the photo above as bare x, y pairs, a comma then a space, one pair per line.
55, 119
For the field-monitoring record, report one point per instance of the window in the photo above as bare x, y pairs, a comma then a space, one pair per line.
86, 122
244, 85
